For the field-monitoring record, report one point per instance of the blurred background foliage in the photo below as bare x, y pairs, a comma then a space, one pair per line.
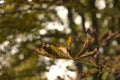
27, 24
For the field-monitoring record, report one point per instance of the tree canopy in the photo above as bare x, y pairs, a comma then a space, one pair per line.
85, 31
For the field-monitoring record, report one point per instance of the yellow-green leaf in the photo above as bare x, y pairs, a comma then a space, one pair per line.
69, 40
54, 50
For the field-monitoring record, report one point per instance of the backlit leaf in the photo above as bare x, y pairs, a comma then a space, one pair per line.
64, 51
69, 40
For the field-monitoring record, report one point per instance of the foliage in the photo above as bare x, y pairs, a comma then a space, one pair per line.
25, 32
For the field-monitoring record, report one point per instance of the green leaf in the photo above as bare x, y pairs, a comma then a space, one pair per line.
54, 50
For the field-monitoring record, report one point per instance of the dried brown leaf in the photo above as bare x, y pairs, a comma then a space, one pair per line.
42, 52
86, 54
65, 52
85, 47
